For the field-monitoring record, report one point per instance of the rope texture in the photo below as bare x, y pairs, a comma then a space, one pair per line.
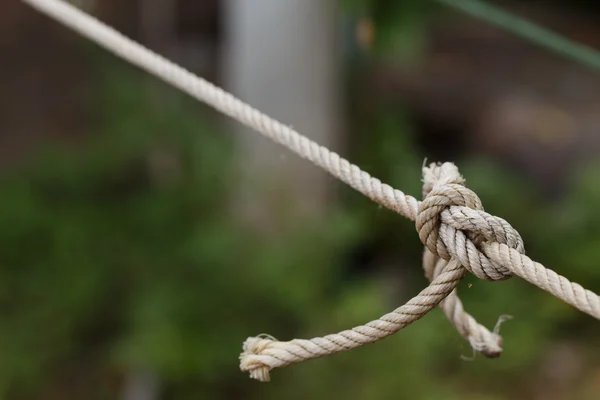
261, 354
458, 234
227, 104
452, 225
479, 337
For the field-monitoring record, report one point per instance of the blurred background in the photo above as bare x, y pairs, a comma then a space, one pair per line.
144, 237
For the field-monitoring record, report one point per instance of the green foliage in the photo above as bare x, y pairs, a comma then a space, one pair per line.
107, 257
123, 254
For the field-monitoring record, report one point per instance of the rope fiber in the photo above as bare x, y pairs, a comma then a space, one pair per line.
458, 235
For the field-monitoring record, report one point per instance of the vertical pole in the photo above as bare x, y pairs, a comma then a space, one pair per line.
282, 57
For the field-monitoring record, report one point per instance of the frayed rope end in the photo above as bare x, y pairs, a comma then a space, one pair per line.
491, 345
250, 359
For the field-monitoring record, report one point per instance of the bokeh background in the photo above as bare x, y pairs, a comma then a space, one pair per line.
143, 237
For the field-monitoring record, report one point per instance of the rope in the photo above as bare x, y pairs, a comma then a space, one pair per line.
458, 234
227, 104
479, 337
260, 355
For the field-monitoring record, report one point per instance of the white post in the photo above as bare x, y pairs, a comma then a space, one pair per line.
281, 57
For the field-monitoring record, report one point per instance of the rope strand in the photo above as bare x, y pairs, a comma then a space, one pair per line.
260, 355
227, 104
458, 234
535, 273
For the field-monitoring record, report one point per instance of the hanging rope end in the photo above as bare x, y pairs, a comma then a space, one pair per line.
490, 343
490, 346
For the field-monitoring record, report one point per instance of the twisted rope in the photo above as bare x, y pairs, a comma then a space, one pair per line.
227, 104
453, 226
479, 337
458, 235
261, 354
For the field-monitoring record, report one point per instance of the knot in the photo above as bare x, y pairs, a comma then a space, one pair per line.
253, 361
451, 223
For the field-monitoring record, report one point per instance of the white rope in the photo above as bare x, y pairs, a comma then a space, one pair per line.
479, 337
227, 104
454, 228
457, 233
